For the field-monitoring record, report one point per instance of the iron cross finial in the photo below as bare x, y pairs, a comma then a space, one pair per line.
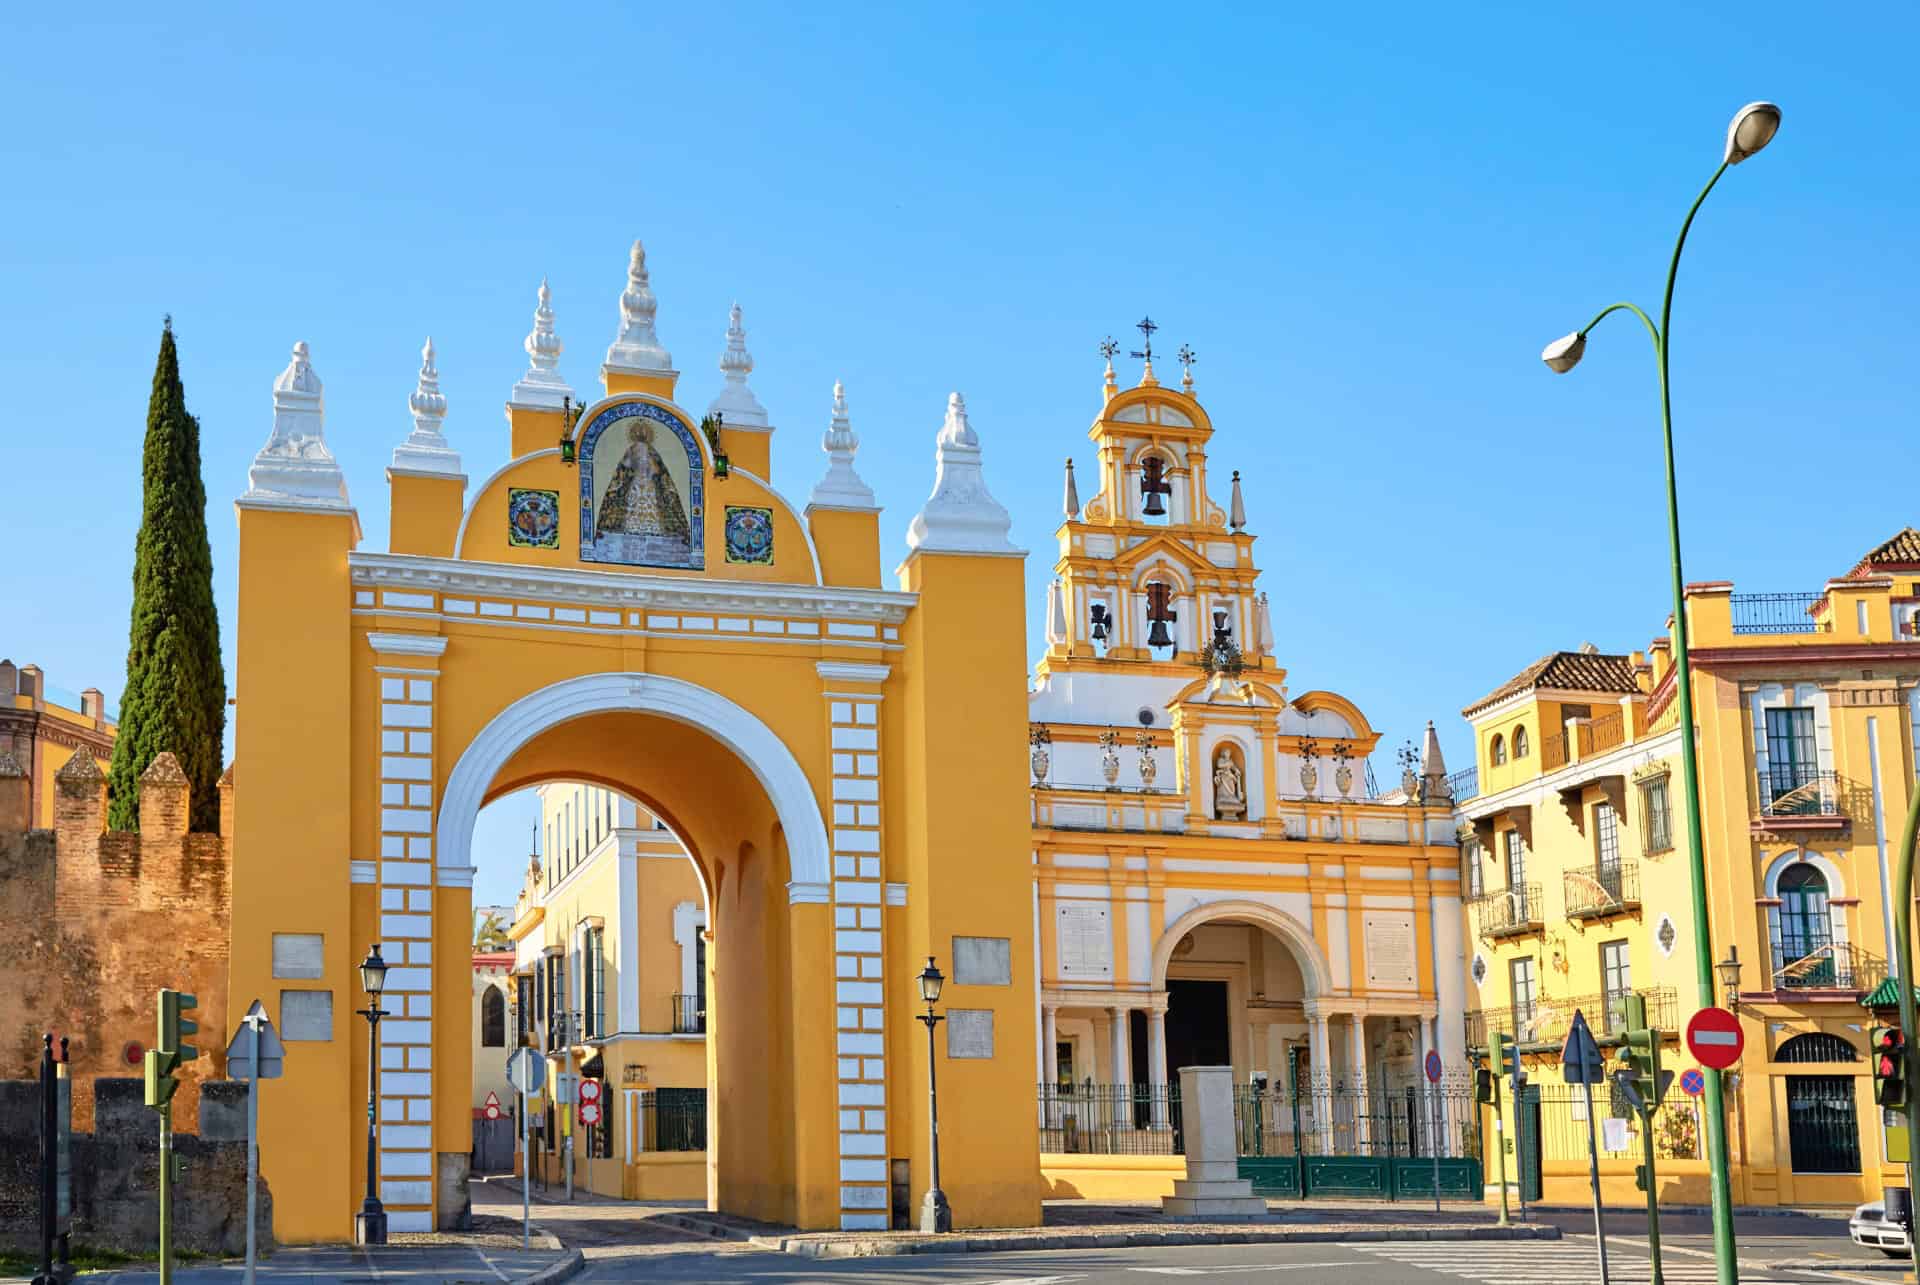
1146, 327
1108, 348
1187, 357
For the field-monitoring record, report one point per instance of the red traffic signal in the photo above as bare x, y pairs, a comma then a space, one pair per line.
1890, 1066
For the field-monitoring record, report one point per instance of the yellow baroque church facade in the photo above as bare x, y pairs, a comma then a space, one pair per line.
1216, 880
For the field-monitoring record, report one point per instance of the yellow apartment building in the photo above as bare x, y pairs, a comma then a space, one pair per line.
610, 981
42, 729
1578, 891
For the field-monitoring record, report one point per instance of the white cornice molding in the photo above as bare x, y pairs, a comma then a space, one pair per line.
362, 872
408, 644
849, 671
805, 893
638, 592
454, 876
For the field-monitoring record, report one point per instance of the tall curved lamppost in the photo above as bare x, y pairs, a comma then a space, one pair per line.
1753, 128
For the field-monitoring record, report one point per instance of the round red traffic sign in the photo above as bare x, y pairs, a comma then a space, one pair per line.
589, 1090
1692, 1083
589, 1113
1433, 1066
1714, 1038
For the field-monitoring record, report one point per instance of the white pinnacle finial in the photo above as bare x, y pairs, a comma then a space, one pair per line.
295, 467
637, 348
542, 387
841, 488
426, 449
1072, 499
961, 516
736, 404
1237, 510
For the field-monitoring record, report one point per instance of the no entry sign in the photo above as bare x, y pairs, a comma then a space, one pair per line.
1714, 1038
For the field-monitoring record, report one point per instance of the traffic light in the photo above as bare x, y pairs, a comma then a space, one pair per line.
1485, 1087
1889, 1066
1637, 1067
1506, 1059
1639, 1177
162, 1061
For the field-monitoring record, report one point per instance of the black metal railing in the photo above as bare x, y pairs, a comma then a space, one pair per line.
1563, 1123
1547, 1019
1798, 790
1507, 912
1465, 784
672, 1119
1602, 890
1776, 613
1382, 1118
1110, 1119
689, 1015
1834, 966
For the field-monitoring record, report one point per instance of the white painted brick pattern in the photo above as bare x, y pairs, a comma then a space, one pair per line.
405, 902
853, 731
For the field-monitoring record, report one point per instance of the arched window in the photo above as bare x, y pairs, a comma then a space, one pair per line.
1520, 746
1817, 1046
1497, 751
493, 1019
1803, 953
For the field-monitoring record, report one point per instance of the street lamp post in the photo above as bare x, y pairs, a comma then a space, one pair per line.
935, 1214
1753, 127
370, 1224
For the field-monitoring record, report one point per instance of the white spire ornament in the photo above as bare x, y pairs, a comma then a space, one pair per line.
1237, 511
961, 516
542, 387
637, 348
736, 404
1056, 614
426, 449
1072, 499
295, 468
841, 488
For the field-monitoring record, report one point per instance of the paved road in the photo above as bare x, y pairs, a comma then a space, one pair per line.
1389, 1263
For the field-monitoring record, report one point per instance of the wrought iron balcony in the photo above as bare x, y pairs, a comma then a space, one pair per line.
1798, 790
1547, 1020
689, 1015
1601, 891
1465, 784
1777, 613
1836, 966
1509, 912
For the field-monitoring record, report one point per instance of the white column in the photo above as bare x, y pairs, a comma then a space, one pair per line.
1049, 1059
1428, 1095
1320, 1078
626, 973
1122, 1047
1357, 1063
1157, 1063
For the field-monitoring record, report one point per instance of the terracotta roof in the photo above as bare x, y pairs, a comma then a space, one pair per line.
1578, 671
1901, 551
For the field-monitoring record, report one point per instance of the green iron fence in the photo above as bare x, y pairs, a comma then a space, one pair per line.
1379, 1141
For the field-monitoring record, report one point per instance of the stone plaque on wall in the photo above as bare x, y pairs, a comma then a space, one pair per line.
297, 955
983, 961
1084, 941
306, 1015
1389, 948
969, 1032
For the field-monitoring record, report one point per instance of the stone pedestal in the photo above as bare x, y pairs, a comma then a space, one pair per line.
1213, 1189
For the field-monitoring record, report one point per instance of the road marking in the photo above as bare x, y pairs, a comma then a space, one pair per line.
489, 1265
1550, 1262
1237, 1268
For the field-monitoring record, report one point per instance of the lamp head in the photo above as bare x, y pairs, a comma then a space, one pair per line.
1753, 128
1729, 970
1563, 354
373, 972
931, 980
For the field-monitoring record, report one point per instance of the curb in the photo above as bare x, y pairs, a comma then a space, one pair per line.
564, 1269
1831, 1265
703, 1227
875, 1247
1702, 1211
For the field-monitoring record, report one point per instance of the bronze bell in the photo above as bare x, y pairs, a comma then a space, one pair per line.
1098, 613
1153, 485
1157, 635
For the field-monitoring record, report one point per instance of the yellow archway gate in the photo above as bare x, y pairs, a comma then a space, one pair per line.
627, 600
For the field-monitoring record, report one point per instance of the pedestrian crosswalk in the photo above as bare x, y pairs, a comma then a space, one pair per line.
1554, 1262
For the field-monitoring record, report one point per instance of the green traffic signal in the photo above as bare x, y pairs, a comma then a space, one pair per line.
173, 1027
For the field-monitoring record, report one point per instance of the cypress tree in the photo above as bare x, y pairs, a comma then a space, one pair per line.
176, 694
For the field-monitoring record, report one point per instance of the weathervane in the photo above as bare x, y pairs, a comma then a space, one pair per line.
1146, 327
1187, 357
1108, 348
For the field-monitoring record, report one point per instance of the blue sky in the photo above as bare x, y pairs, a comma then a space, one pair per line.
1366, 221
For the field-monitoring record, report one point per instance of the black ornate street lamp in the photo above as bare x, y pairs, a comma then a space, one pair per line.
935, 1214
1729, 969
370, 1224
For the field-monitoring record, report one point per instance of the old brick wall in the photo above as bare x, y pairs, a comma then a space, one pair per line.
108, 918
116, 1172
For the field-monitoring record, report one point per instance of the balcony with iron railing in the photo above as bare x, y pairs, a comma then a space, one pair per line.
1582, 740
1464, 784
1602, 891
1547, 1020
1509, 912
689, 1015
1835, 966
1798, 790
1778, 613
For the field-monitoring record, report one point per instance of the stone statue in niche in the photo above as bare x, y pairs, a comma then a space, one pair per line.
1229, 786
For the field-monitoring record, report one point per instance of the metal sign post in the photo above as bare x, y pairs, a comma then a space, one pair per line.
1433, 1143
1581, 1064
254, 1054
527, 1073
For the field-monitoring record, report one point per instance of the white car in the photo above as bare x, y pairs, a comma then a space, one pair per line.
1869, 1227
